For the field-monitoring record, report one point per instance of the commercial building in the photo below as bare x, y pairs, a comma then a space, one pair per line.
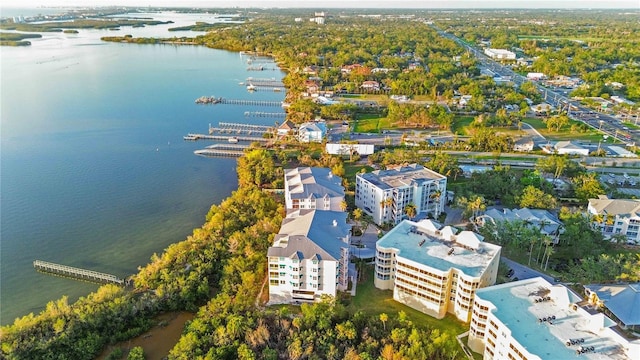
533, 319
312, 188
309, 257
385, 194
616, 217
435, 270
500, 54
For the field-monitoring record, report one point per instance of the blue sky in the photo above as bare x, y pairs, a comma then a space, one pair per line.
336, 4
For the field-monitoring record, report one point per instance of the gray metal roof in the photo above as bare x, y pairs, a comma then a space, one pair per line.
312, 182
310, 233
622, 300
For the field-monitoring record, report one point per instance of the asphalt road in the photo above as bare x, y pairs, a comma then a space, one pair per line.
524, 272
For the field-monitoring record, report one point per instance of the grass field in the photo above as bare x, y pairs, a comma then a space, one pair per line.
375, 301
460, 124
369, 123
565, 132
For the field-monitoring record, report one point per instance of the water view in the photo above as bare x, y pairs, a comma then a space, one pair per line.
94, 171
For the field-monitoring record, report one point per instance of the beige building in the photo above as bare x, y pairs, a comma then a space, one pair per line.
435, 270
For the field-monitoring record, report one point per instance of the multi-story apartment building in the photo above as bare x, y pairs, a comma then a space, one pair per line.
533, 319
385, 194
616, 216
435, 270
309, 257
312, 188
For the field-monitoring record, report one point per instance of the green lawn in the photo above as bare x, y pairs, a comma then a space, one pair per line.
375, 301
631, 125
460, 124
370, 123
565, 132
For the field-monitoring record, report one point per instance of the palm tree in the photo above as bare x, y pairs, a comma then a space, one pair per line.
410, 210
435, 196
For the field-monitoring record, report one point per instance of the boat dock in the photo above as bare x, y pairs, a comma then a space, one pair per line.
76, 273
218, 153
264, 114
237, 128
273, 83
194, 137
214, 100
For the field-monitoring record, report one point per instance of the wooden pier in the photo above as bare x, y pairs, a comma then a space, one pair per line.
214, 100
239, 129
219, 153
224, 137
264, 114
273, 83
76, 273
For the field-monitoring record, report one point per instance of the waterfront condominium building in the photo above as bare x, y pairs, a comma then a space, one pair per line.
533, 319
384, 194
309, 257
616, 217
435, 270
312, 188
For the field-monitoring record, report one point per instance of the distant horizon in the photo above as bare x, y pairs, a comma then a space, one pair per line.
333, 4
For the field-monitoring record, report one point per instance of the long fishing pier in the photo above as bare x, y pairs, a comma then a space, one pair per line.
215, 100
264, 114
224, 137
76, 273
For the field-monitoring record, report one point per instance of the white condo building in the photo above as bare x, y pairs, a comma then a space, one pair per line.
533, 319
309, 257
617, 217
312, 188
384, 194
435, 270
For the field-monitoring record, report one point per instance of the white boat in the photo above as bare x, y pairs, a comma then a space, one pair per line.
233, 140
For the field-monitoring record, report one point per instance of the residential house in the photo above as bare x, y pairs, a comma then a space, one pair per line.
616, 217
533, 319
286, 128
538, 218
500, 54
347, 69
309, 257
311, 70
312, 188
370, 85
621, 302
435, 269
312, 131
311, 86
385, 194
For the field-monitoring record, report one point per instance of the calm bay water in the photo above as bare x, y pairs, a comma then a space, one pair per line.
94, 172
